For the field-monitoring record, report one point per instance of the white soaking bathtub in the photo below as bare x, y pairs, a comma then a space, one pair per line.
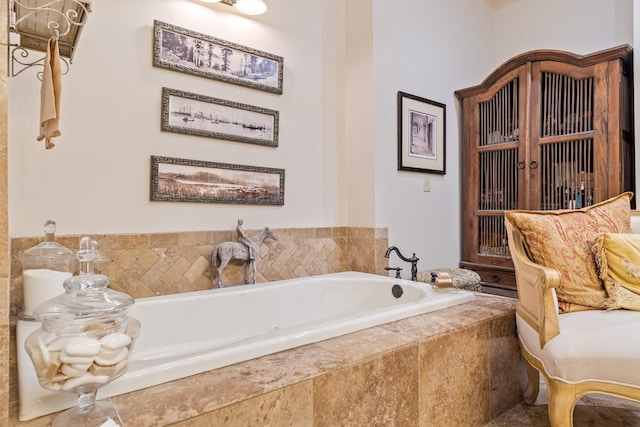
189, 333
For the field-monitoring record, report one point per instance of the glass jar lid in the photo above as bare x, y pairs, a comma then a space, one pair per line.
48, 254
87, 297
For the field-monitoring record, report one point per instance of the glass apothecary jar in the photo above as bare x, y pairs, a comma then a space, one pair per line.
45, 267
84, 343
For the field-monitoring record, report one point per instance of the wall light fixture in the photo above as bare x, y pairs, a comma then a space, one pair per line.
248, 7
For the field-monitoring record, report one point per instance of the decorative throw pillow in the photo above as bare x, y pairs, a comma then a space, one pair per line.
618, 259
563, 240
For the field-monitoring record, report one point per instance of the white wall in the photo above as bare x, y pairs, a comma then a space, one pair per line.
96, 179
359, 173
338, 139
428, 49
579, 26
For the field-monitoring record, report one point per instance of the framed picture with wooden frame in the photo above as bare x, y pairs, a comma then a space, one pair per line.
193, 114
184, 180
421, 134
180, 49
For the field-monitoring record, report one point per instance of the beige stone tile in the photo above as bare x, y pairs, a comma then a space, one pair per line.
164, 240
15, 297
284, 368
380, 261
381, 392
114, 272
204, 250
122, 257
135, 288
328, 246
4, 38
178, 286
496, 303
294, 234
5, 256
506, 365
199, 394
465, 357
69, 242
133, 241
16, 247
106, 242
340, 232
198, 268
195, 238
4, 371
176, 271
22, 243
362, 345
361, 233
148, 257
324, 233
193, 253
440, 322
361, 253
290, 406
5, 298
206, 281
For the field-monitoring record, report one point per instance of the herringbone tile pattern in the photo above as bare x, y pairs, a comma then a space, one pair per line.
145, 265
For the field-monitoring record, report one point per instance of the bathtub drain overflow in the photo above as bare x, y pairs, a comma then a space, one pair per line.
397, 291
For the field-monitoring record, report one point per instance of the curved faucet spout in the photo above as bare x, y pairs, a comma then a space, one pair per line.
413, 261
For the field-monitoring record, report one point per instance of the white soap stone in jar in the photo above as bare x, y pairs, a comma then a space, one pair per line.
40, 285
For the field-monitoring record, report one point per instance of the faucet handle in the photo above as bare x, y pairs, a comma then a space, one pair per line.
397, 269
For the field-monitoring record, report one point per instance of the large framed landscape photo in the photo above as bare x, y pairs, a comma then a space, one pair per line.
421, 134
193, 114
186, 51
184, 180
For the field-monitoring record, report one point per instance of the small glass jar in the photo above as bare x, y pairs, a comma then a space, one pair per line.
85, 341
45, 267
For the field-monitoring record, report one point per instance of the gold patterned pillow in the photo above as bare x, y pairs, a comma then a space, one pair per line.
618, 261
563, 240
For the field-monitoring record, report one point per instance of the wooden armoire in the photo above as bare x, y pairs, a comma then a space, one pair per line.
546, 130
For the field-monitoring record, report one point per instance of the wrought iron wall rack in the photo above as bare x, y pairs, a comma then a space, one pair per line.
33, 22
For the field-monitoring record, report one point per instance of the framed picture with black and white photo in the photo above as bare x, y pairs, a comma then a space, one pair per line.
194, 114
421, 134
186, 51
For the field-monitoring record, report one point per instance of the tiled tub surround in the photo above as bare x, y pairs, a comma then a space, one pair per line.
177, 339
144, 265
453, 367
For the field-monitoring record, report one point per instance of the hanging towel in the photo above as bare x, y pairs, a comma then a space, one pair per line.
50, 95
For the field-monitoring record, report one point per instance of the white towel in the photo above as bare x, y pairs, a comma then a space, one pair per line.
50, 95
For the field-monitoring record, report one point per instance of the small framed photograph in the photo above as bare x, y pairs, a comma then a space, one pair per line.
183, 180
421, 134
193, 114
186, 51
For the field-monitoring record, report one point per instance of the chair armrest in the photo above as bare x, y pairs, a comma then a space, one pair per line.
536, 296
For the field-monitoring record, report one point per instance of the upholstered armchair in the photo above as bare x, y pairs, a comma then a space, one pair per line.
577, 352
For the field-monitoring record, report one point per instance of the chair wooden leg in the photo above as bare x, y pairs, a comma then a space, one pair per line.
533, 384
562, 401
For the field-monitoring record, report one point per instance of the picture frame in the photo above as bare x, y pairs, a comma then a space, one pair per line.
193, 114
421, 134
180, 49
184, 180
